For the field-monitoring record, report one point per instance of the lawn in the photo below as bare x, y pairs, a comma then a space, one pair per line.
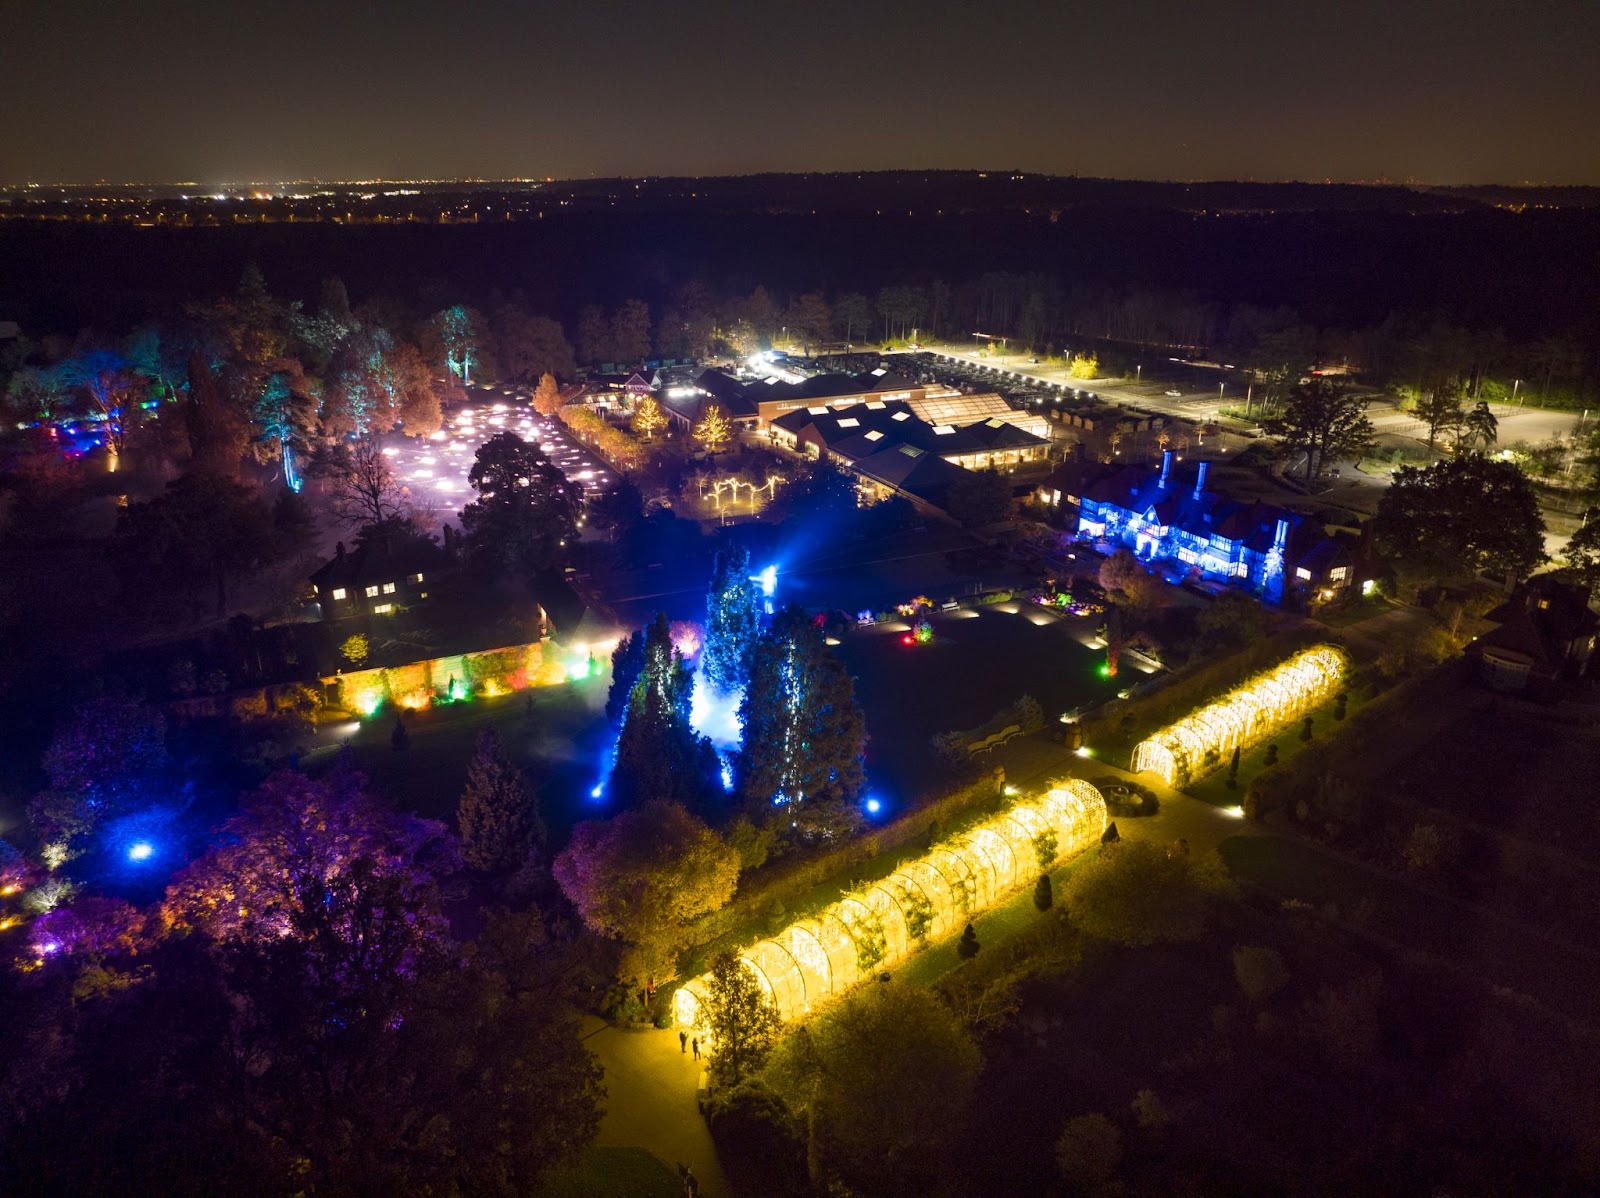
563, 745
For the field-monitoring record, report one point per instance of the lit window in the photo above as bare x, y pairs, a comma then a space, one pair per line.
874, 435
944, 430
1339, 573
851, 422
383, 609
424, 594
338, 592
901, 416
416, 578
372, 592
1302, 574
388, 588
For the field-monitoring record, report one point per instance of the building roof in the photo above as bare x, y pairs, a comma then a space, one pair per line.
1541, 622
383, 559
908, 468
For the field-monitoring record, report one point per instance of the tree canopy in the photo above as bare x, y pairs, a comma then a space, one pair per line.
526, 513
733, 620
1458, 517
1324, 423
1137, 892
801, 763
643, 874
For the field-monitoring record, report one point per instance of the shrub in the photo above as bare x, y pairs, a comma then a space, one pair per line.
1259, 972
1089, 1152
1043, 894
760, 1142
968, 946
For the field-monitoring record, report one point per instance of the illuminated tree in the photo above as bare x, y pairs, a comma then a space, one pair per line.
644, 874
35, 393
1440, 408
659, 754
498, 814
1479, 427
804, 735
111, 387
733, 620
362, 490
324, 863
1135, 892
1457, 518
355, 649
547, 395
714, 430
648, 418
1084, 366
107, 756
284, 419
454, 339
627, 663
526, 513
1324, 423
744, 1024
1132, 585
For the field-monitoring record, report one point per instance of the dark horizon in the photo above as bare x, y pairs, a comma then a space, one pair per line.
1413, 91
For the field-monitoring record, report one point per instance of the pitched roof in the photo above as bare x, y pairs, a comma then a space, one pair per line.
383, 559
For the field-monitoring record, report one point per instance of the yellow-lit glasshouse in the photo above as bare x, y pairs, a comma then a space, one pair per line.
1261, 706
924, 900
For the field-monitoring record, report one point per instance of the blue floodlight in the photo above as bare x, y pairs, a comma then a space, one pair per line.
874, 806
141, 850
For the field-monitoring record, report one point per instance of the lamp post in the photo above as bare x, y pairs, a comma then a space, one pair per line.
1515, 385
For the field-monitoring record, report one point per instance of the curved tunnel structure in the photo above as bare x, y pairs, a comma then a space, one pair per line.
925, 899
1260, 707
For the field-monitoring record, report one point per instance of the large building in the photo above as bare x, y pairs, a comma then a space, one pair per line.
894, 452
1277, 553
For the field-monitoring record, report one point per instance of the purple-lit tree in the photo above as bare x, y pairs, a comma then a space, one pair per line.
324, 863
102, 760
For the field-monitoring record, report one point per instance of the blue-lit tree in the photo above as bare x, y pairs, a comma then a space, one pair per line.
804, 734
733, 620
284, 419
659, 754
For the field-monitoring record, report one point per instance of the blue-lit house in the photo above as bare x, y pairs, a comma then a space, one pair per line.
1258, 546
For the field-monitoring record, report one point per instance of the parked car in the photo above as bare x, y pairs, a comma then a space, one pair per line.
1173, 391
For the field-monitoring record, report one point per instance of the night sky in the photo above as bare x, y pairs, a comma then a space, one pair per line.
138, 90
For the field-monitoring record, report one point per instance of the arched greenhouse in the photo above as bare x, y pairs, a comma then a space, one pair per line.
1260, 707
926, 899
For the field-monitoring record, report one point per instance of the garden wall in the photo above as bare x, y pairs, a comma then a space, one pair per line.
419, 684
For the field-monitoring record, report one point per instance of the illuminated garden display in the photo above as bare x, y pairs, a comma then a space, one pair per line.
1261, 706
879, 924
421, 684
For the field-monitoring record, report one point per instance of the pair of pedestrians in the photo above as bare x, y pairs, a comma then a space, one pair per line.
683, 1040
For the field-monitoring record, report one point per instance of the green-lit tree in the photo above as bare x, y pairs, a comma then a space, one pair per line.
627, 663
1324, 423
1457, 518
526, 513
743, 1020
733, 620
804, 735
285, 419
455, 336
659, 754
498, 814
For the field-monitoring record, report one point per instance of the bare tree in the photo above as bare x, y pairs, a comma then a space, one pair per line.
362, 490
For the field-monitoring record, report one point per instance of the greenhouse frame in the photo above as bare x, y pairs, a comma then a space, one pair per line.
1260, 707
877, 925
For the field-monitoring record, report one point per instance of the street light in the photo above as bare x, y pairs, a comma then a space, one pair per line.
1516, 383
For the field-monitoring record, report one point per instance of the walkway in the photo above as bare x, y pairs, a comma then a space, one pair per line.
650, 1100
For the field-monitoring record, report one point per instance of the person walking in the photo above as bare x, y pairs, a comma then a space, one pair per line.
696, 1045
683, 1041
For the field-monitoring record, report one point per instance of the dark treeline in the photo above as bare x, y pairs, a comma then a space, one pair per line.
1528, 274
